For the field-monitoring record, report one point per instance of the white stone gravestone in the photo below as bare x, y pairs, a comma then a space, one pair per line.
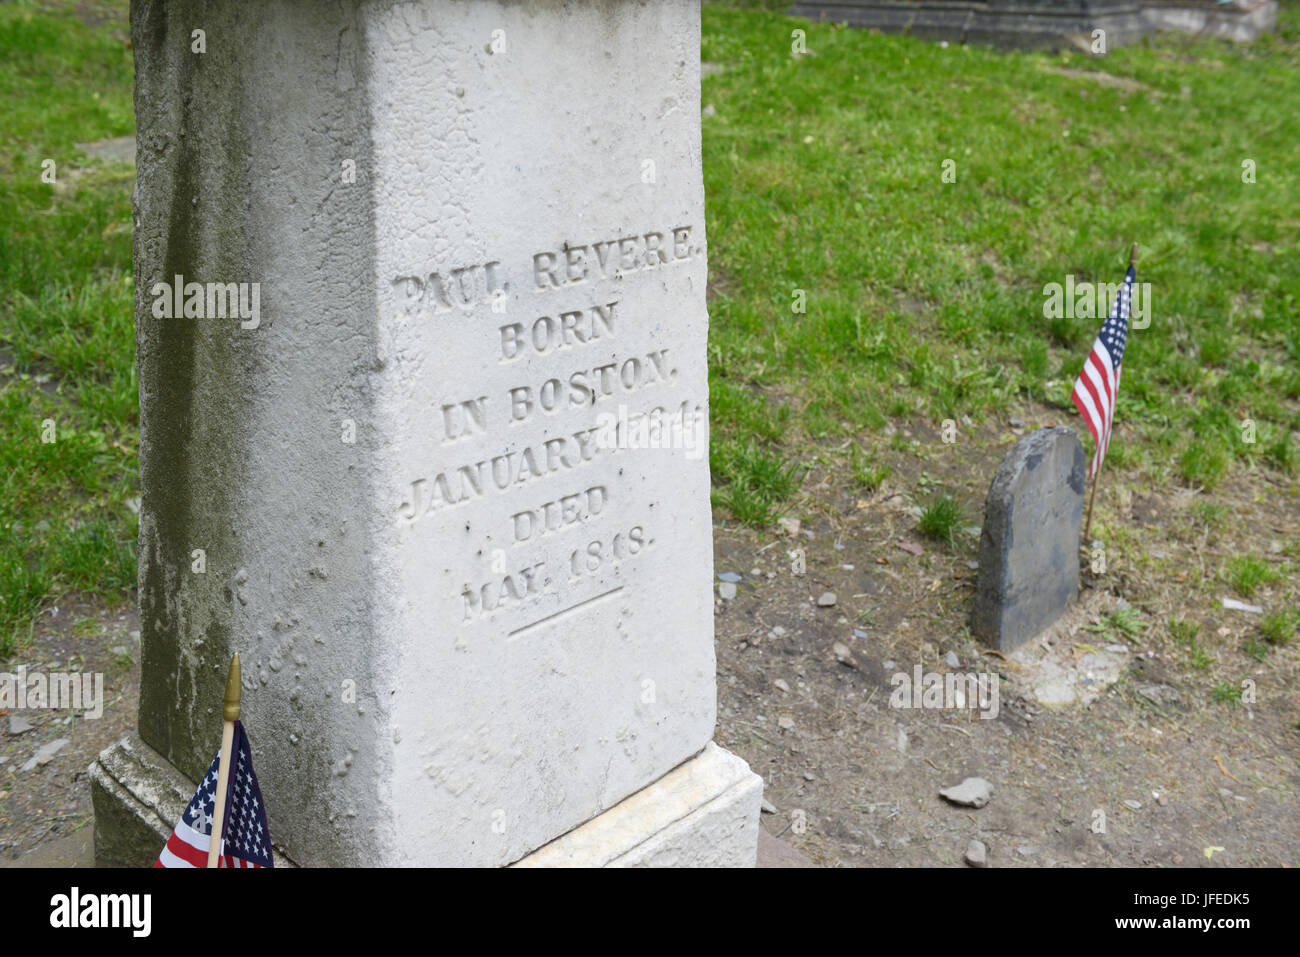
443, 483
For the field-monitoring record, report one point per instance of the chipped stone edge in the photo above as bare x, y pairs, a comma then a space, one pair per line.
703, 813
138, 796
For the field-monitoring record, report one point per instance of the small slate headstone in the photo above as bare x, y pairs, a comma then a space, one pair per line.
1029, 547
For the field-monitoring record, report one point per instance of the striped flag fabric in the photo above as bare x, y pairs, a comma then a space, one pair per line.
1097, 387
246, 841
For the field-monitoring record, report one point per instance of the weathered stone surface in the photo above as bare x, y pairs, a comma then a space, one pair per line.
1243, 20
1029, 546
419, 492
239, 151
138, 798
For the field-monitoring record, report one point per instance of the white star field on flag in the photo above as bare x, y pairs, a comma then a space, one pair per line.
247, 840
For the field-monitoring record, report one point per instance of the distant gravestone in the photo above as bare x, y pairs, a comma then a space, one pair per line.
442, 479
1024, 24
1029, 548
1093, 26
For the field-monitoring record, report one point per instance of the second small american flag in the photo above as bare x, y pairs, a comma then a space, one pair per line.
1097, 387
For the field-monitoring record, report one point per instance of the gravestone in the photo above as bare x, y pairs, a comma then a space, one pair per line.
1029, 547
443, 482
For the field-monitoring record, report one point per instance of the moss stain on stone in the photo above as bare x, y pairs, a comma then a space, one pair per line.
190, 382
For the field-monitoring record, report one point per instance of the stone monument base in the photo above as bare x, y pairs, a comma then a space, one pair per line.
1244, 21
703, 813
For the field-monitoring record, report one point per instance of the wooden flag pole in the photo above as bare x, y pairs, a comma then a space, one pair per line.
230, 714
1092, 496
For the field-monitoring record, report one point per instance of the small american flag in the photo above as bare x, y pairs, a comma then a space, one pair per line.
1098, 384
247, 842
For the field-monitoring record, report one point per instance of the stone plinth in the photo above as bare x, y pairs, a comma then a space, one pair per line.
1050, 24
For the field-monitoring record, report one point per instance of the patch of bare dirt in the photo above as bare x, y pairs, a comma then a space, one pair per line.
45, 804
1142, 765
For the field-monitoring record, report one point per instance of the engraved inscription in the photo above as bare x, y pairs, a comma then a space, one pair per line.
611, 258
547, 334
567, 541
465, 287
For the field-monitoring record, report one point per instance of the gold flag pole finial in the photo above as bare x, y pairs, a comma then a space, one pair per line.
1133, 255
231, 710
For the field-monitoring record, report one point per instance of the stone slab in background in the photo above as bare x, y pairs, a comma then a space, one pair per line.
1024, 25
1029, 546
1051, 24
1244, 21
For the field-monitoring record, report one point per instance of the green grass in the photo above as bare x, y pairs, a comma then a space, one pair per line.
925, 299
1212, 514
940, 519
67, 341
1247, 573
759, 481
1205, 462
1255, 649
1226, 693
867, 475
1283, 454
1280, 627
1123, 623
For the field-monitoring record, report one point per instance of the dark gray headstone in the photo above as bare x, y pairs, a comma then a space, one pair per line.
1029, 548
